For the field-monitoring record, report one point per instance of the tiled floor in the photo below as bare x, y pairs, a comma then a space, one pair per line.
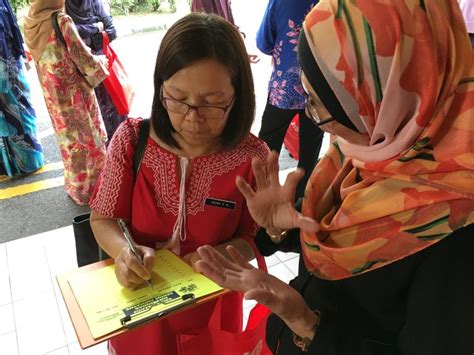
33, 318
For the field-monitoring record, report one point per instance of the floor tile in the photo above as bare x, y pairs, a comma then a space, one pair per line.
282, 272
32, 276
269, 260
5, 289
61, 351
286, 256
272, 260
60, 250
249, 304
99, 349
38, 324
8, 344
7, 321
293, 264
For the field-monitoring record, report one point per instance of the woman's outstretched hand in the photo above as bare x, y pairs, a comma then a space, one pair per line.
271, 204
239, 275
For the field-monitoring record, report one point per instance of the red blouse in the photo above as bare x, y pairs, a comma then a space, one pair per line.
215, 212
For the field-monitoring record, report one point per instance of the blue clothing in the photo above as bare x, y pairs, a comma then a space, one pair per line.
278, 36
20, 149
86, 14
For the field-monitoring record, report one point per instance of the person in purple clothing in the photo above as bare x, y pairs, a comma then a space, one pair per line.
278, 37
218, 7
91, 19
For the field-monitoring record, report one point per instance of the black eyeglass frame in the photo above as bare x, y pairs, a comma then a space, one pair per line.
163, 100
316, 121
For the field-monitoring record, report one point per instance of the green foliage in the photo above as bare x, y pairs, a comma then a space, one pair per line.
18, 5
119, 7
124, 7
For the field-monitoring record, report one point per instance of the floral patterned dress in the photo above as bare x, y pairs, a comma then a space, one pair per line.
73, 107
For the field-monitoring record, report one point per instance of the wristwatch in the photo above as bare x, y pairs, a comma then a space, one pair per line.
278, 238
302, 342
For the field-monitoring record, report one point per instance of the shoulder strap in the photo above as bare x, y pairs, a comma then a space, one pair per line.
54, 22
60, 37
143, 134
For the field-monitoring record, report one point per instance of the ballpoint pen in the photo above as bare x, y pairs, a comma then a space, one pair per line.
131, 244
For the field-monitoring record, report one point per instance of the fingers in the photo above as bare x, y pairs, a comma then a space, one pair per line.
126, 277
262, 296
238, 257
293, 179
259, 172
135, 264
148, 257
244, 188
307, 224
213, 256
273, 168
210, 271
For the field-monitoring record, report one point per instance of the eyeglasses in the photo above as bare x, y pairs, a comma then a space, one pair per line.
313, 111
210, 112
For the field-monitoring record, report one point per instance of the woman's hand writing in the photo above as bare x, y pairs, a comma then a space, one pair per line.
271, 204
132, 272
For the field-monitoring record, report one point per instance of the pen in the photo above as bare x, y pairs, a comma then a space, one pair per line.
128, 237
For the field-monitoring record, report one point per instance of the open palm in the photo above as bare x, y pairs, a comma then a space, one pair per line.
239, 275
272, 204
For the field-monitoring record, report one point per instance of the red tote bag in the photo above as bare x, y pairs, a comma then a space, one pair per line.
291, 140
214, 340
117, 83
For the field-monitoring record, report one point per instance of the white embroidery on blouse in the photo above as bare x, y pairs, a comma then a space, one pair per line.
113, 171
204, 169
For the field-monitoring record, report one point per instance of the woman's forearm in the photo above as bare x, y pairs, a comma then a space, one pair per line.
304, 326
108, 234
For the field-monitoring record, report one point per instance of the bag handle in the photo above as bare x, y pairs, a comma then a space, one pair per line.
107, 50
105, 40
60, 37
57, 31
140, 147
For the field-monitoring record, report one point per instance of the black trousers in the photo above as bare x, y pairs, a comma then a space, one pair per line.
275, 122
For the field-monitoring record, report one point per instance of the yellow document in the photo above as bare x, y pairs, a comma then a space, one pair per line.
107, 306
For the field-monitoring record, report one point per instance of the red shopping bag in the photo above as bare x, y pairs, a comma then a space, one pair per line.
117, 83
216, 341
291, 140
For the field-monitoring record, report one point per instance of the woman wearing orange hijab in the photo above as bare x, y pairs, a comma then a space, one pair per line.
387, 220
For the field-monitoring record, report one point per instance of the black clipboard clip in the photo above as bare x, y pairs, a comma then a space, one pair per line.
186, 300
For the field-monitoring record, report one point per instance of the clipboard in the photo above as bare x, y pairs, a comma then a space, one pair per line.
80, 323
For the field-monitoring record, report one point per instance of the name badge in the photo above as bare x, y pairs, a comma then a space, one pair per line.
220, 203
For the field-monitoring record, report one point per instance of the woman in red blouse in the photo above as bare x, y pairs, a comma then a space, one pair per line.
184, 195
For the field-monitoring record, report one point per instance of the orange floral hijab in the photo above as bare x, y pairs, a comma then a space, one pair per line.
403, 73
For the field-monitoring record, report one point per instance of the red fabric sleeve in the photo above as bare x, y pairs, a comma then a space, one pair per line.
114, 189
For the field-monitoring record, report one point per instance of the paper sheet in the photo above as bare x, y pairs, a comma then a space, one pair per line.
104, 302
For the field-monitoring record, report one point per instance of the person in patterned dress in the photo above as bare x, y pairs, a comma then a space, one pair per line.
91, 19
67, 74
20, 149
278, 37
184, 195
